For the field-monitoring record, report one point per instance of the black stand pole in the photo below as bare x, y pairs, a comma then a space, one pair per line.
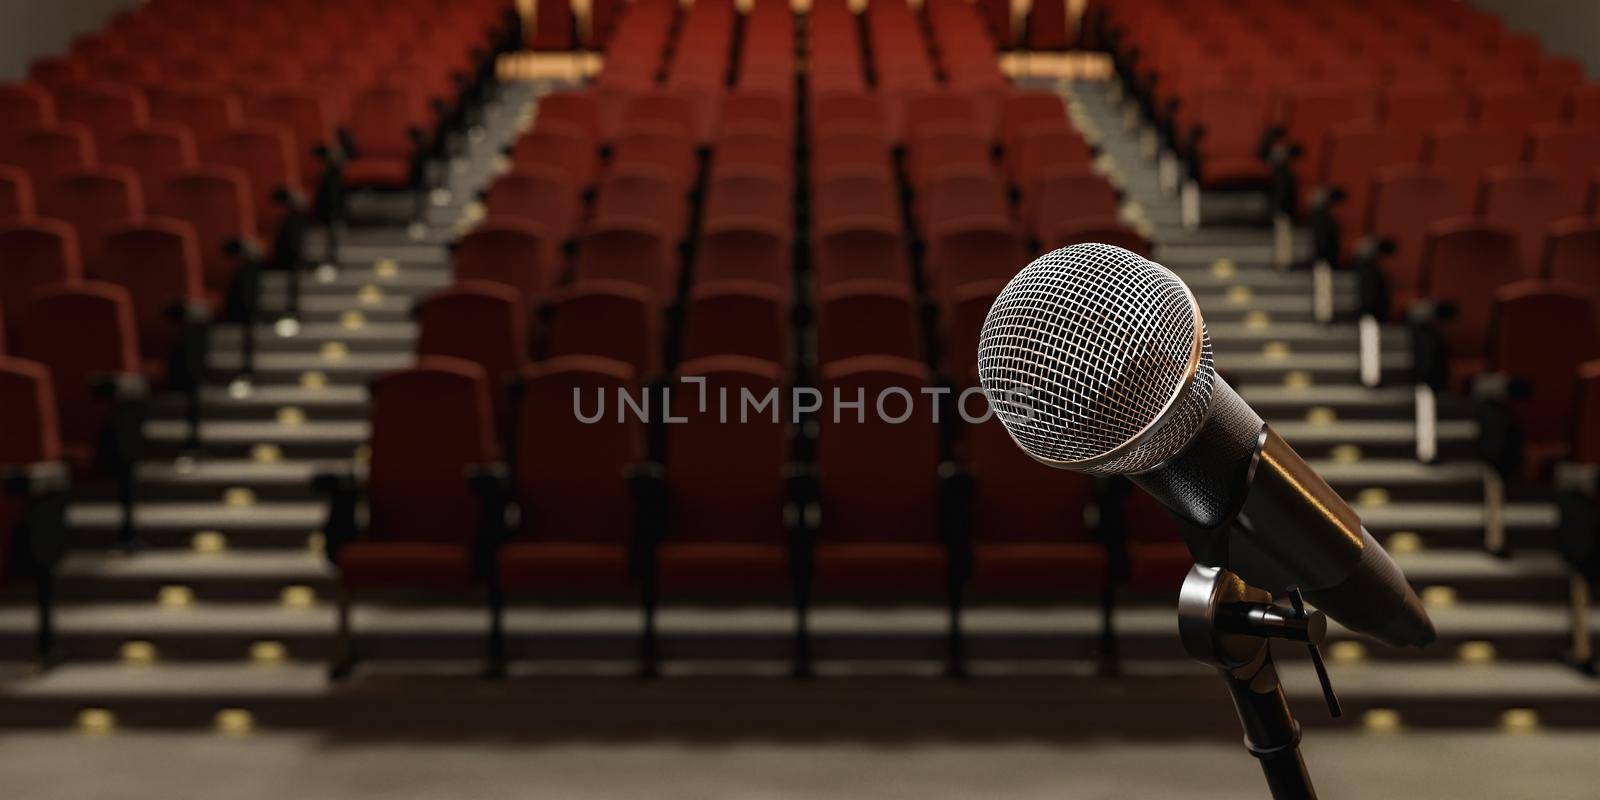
1227, 623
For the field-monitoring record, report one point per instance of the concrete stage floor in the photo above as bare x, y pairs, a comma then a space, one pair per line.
1346, 764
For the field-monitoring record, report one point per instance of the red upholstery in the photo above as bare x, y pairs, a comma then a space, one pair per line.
867, 316
93, 200
1463, 263
745, 248
82, 332
1526, 318
478, 321
1525, 201
849, 248
577, 518
1406, 203
974, 248
512, 252
617, 320
631, 249
38, 253
16, 193
158, 152
265, 153
879, 484
856, 190
158, 262
727, 534
736, 317
542, 195
216, 201
430, 424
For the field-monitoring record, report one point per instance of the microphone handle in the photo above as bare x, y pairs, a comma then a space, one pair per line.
1248, 503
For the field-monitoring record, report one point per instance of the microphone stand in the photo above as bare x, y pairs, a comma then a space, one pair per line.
1227, 624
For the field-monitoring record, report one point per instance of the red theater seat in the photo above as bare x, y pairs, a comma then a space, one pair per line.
733, 317
615, 320
1525, 319
631, 249
158, 152
849, 248
38, 253
860, 190
1463, 263
970, 249
579, 534
879, 487
510, 252
478, 321
560, 146
426, 530
745, 248
93, 200
542, 195
1406, 203
866, 316
727, 536
1525, 201
16, 193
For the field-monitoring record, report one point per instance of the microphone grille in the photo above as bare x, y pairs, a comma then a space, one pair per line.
1096, 359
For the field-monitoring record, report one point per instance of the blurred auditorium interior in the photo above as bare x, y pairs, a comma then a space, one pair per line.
297, 295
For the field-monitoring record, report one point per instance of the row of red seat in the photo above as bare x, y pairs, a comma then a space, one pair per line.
707, 510
136, 172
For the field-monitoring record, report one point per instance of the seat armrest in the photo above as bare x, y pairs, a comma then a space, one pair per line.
956, 487
190, 312
292, 198
343, 490
247, 249
47, 486
648, 487
491, 482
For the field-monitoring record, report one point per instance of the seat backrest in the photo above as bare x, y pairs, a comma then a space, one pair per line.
670, 109
47, 152
645, 191
846, 145
543, 195
264, 152
1567, 150
1022, 109
82, 332
961, 191
430, 424
1068, 193
853, 191
751, 143
973, 248
631, 249
569, 108
158, 152
1410, 111
616, 320
1515, 107
511, 252
1572, 253
158, 261
108, 108
28, 435
16, 193
1584, 107
570, 472
1352, 158
745, 248
867, 316
655, 144
1233, 120
927, 109
93, 200
736, 318
714, 497
757, 106
38, 253
308, 118
833, 108
878, 479
208, 111
942, 145
1586, 436
563, 146
1526, 318
848, 248
1406, 202
964, 312
1462, 153
216, 201
382, 117
1464, 262
1525, 200
478, 321
1040, 147
750, 191
23, 106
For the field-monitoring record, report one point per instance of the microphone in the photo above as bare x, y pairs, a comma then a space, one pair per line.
1097, 360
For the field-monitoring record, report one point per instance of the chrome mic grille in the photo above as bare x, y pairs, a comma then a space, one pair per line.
1097, 360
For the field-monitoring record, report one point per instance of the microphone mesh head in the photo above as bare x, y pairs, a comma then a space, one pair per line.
1097, 360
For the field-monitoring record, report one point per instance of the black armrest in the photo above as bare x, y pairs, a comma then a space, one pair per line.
1430, 357
1499, 435
1325, 198
491, 482
247, 249
955, 502
343, 490
1578, 532
1110, 526
648, 487
189, 312
291, 198
1270, 139
802, 515
347, 143
46, 485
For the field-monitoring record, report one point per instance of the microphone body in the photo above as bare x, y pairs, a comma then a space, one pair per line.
1248, 503
1098, 360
